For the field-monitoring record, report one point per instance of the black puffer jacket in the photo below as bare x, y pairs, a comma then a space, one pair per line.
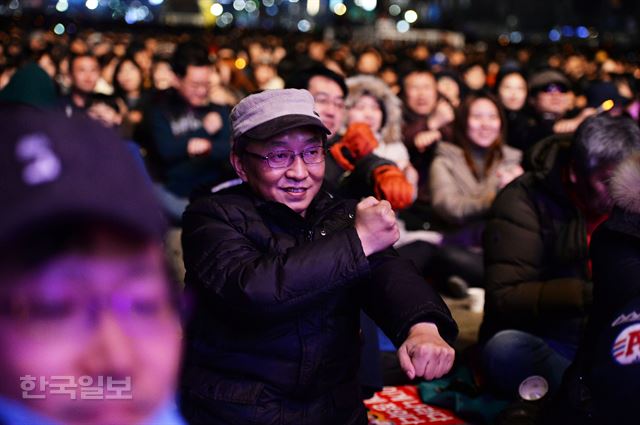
602, 384
536, 258
275, 337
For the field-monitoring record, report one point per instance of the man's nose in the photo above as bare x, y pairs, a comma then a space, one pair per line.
330, 109
109, 351
202, 91
298, 170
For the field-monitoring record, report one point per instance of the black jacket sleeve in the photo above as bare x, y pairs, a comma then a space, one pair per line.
397, 297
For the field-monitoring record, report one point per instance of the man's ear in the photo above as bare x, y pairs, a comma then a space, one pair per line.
237, 164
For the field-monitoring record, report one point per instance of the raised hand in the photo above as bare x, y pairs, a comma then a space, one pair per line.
376, 225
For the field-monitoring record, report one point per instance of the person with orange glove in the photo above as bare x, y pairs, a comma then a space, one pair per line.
356, 143
374, 118
391, 184
354, 153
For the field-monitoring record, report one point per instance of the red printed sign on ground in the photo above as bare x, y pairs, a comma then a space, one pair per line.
402, 406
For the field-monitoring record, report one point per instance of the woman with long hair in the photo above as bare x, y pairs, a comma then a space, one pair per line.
128, 85
466, 175
511, 89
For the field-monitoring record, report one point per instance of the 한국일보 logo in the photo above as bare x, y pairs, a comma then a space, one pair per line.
626, 348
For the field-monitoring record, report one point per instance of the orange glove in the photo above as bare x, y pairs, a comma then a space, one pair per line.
356, 143
359, 139
343, 157
391, 184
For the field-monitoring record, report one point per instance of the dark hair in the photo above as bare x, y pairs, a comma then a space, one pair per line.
135, 47
603, 139
188, 54
117, 87
371, 51
72, 233
379, 101
467, 66
505, 72
47, 52
448, 73
109, 100
46, 240
301, 79
461, 123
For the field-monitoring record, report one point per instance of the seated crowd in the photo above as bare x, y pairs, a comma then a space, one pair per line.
321, 192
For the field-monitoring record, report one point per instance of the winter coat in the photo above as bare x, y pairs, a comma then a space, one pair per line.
457, 196
359, 182
389, 137
536, 259
167, 127
602, 384
519, 124
413, 125
275, 333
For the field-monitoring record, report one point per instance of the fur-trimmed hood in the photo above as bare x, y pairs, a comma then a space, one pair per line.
358, 85
625, 185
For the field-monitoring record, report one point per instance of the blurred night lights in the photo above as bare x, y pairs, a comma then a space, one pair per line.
403, 26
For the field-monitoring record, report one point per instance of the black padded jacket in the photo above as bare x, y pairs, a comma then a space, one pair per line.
275, 333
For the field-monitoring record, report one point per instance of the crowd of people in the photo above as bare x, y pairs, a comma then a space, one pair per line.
322, 190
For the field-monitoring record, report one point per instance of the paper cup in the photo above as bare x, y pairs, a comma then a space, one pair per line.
476, 300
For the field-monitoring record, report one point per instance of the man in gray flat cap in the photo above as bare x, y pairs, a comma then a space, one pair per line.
280, 268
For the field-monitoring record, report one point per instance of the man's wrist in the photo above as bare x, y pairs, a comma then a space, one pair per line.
423, 327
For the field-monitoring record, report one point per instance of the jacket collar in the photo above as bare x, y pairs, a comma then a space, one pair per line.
548, 160
323, 201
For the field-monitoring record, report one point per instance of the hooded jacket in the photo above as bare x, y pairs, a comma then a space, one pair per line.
31, 85
535, 247
602, 384
390, 135
275, 337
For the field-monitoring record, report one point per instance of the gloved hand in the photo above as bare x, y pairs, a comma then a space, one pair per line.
390, 183
356, 143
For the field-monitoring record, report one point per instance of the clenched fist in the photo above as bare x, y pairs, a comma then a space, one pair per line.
376, 225
212, 122
424, 353
197, 146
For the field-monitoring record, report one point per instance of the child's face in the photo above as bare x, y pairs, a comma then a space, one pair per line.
366, 110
